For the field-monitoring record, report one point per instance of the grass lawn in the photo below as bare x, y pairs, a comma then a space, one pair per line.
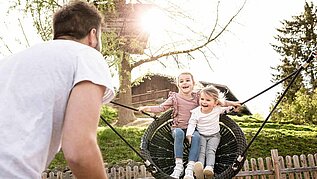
289, 139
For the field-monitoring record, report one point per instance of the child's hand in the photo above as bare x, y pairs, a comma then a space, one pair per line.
236, 106
189, 138
143, 108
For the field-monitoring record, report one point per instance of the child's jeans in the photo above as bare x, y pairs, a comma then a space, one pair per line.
179, 137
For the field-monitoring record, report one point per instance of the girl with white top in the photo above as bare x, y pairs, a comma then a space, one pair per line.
205, 119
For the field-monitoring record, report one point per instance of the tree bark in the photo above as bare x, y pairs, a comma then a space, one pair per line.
125, 93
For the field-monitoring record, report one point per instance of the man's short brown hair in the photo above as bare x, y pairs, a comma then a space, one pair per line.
76, 20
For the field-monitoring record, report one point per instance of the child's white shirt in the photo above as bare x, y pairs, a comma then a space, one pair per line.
206, 124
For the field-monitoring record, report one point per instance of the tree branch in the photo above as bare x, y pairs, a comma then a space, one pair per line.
25, 37
210, 39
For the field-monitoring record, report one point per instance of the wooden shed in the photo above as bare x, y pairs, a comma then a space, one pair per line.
152, 89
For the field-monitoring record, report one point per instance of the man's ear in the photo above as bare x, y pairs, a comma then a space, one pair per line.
92, 37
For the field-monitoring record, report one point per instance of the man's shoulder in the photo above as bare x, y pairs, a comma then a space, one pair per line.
73, 47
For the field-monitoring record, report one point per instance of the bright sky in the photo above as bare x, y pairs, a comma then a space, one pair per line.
245, 64
244, 56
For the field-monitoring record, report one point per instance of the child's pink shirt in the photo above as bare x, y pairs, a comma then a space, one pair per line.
181, 108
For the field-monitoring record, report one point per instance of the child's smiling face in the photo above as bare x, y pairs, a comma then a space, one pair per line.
185, 83
207, 102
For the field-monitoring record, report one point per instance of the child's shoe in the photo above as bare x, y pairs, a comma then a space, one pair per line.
189, 170
178, 169
198, 170
208, 172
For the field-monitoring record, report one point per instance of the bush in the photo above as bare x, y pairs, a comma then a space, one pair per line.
108, 113
300, 111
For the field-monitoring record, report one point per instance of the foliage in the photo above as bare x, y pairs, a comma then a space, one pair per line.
41, 13
302, 110
296, 39
289, 139
108, 113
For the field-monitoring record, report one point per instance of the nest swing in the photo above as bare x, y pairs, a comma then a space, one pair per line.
157, 147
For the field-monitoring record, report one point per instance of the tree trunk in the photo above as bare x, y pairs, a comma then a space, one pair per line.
125, 93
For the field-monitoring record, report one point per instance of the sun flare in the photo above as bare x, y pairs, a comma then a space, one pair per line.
153, 20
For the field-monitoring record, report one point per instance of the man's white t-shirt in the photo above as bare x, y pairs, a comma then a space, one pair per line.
34, 88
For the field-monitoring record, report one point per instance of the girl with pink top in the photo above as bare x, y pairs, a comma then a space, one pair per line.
181, 103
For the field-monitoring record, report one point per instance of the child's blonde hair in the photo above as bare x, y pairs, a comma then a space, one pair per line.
214, 92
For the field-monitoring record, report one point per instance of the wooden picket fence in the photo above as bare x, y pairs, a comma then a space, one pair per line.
274, 167
277, 167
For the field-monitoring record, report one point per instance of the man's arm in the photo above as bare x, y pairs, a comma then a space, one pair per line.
79, 142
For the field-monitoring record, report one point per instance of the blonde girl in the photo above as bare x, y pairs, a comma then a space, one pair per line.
205, 119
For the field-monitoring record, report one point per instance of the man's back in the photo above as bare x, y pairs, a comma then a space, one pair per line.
34, 88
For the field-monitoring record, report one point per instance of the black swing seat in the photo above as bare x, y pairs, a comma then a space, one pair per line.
157, 147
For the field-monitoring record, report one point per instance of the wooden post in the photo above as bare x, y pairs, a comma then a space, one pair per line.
261, 167
143, 170
312, 164
282, 166
289, 164
304, 164
67, 175
246, 168
44, 175
269, 166
129, 172
121, 172
297, 165
59, 175
276, 164
136, 172
113, 173
254, 167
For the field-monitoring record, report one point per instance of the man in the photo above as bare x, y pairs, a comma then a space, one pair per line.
50, 97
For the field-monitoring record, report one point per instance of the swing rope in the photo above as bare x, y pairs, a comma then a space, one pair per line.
296, 73
151, 168
134, 109
268, 88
